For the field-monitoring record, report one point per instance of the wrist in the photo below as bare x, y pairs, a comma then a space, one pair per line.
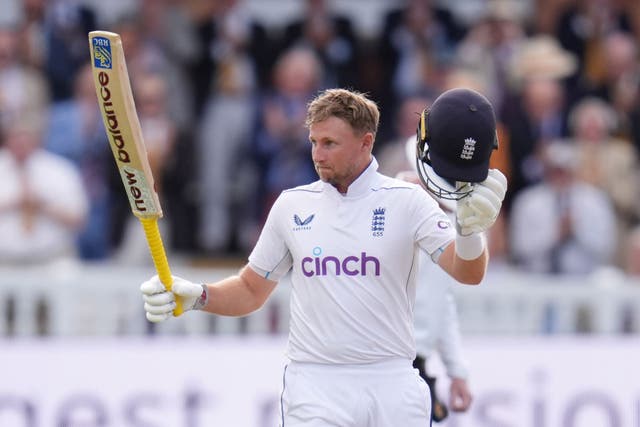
471, 246
201, 301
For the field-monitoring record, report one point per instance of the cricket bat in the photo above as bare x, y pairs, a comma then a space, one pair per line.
127, 144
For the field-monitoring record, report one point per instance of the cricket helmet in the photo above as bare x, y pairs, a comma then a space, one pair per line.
455, 139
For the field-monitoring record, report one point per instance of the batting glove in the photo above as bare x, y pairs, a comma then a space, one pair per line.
478, 211
160, 303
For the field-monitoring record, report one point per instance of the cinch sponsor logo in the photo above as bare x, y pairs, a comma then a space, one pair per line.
331, 265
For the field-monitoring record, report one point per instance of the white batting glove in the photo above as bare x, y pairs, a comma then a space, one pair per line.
478, 211
160, 303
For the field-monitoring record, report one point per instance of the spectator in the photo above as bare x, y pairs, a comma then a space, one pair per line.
490, 46
392, 154
160, 133
76, 132
64, 35
42, 200
632, 260
147, 54
537, 113
607, 162
562, 225
621, 85
331, 37
233, 47
223, 140
22, 89
416, 43
281, 141
581, 28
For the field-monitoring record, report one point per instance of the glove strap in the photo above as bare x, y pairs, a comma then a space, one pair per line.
470, 247
202, 299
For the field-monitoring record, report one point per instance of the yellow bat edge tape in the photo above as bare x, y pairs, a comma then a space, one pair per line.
159, 256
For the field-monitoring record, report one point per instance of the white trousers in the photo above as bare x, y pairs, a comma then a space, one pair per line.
382, 394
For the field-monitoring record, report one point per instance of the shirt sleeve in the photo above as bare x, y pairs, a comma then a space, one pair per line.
271, 257
434, 229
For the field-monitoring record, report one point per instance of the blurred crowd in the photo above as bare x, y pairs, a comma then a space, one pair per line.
222, 95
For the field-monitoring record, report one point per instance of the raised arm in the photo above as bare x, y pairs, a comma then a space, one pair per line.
236, 295
466, 258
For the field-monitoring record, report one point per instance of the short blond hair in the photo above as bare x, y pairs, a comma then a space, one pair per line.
353, 107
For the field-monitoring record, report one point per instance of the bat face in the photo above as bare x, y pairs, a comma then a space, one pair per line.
121, 122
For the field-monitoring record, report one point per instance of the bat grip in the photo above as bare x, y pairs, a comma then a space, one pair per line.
152, 232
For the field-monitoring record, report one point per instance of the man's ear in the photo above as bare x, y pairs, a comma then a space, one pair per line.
367, 141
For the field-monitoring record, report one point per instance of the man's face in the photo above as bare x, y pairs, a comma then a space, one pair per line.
339, 155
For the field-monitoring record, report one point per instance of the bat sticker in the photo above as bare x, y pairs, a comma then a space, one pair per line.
102, 52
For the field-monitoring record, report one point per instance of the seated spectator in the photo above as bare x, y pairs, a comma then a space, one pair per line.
331, 37
22, 88
76, 132
536, 112
562, 225
234, 54
43, 203
490, 45
392, 154
159, 132
281, 141
606, 162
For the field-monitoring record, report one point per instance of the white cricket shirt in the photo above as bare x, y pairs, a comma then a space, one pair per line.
353, 259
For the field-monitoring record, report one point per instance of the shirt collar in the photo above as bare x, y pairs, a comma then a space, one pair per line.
362, 184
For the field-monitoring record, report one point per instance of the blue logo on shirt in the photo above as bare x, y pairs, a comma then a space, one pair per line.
377, 222
302, 224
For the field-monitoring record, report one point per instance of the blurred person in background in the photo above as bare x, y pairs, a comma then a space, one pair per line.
232, 47
562, 225
581, 26
76, 132
392, 154
417, 42
148, 53
632, 254
43, 203
281, 141
55, 40
536, 111
607, 162
437, 328
331, 36
232, 72
160, 137
621, 84
145, 40
22, 87
490, 45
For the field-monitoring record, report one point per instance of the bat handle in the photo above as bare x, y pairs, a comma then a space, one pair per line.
159, 256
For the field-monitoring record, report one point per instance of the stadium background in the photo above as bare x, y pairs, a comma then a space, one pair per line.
546, 348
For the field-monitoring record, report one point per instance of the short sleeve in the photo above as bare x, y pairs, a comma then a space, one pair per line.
434, 227
271, 257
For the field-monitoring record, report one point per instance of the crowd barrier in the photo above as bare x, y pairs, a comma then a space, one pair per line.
104, 300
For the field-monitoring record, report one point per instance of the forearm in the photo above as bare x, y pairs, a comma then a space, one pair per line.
468, 272
237, 295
